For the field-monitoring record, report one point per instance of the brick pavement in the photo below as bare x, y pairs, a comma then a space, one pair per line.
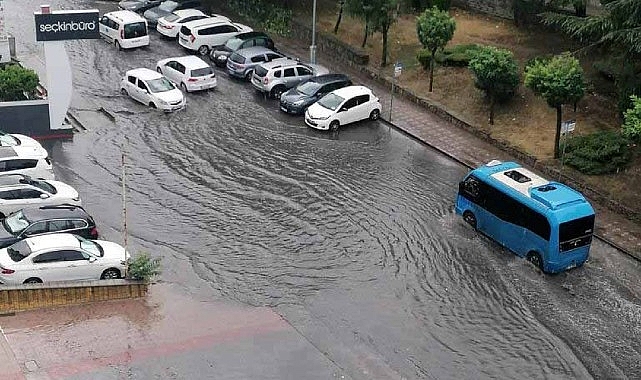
461, 145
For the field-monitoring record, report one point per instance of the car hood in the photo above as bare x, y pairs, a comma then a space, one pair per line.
131, 5
113, 251
170, 96
293, 95
64, 190
155, 13
316, 111
29, 142
5, 235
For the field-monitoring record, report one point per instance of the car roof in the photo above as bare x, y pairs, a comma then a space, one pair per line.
125, 16
37, 243
188, 12
209, 21
351, 91
190, 61
144, 73
19, 151
281, 62
34, 214
328, 78
255, 50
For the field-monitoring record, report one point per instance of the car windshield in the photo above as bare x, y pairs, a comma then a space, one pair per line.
308, 88
168, 6
15, 223
331, 101
172, 17
203, 71
90, 246
135, 30
19, 250
8, 140
235, 57
233, 43
160, 85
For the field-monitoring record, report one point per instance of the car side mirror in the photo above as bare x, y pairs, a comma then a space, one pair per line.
92, 259
343, 109
44, 196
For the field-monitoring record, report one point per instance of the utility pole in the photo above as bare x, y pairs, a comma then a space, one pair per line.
312, 48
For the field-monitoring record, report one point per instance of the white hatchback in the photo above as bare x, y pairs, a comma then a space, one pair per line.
169, 26
153, 89
61, 257
18, 191
343, 106
189, 72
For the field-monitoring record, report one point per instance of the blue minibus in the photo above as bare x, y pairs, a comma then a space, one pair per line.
548, 223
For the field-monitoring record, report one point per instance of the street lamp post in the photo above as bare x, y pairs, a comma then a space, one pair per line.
312, 48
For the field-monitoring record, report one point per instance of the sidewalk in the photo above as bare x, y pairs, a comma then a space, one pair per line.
462, 146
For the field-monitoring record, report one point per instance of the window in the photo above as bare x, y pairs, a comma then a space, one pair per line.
227, 29
261, 42
49, 257
289, 72
258, 58
202, 32
470, 189
29, 194
142, 85
518, 177
73, 255
131, 80
113, 25
59, 225
349, 104
79, 223
8, 194
277, 74
135, 30
17, 165
180, 67
271, 56
362, 99
36, 228
304, 71
104, 21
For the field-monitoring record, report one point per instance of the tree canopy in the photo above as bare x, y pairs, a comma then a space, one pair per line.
435, 28
17, 83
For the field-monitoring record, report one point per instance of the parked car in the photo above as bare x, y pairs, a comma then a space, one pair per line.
19, 191
343, 106
124, 29
279, 75
296, 100
167, 7
241, 63
169, 25
153, 89
138, 6
240, 41
35, 221
203, 35
15, 139
61, 257
190, 73
25, 160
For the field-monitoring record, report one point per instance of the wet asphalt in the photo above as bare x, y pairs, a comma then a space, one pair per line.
349, 237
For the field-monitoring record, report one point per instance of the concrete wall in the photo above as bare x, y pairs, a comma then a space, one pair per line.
500, 8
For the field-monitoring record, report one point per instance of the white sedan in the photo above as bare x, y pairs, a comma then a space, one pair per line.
169, 26
189, 72
152, 89
61, 257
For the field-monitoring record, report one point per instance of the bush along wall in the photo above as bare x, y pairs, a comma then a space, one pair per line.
269, 17
598, 153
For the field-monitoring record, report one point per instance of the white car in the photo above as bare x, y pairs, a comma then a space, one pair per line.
61, 257
27, 160
19, 191
124, 29
203, 35
343, 106
169, 26
15, 139
190, 73
153, 89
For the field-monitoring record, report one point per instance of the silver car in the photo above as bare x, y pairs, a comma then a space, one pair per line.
279, 75
241, 63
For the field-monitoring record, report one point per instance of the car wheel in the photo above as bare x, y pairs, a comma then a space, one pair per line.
277, 92
333, 126
249, 75
158, 69
110, 274
117, 44
2, 216
33, 280
124, 92
469, 218
535, 259
374, 115
218, 64
152, 105
183, 87
203, 50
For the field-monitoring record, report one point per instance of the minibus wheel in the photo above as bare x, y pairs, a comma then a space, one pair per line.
535, 259
469, 218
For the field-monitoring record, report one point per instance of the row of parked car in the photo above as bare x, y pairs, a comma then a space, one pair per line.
45, 234
327, 100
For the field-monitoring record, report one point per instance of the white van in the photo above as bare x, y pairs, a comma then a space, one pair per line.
124, 29
203, 35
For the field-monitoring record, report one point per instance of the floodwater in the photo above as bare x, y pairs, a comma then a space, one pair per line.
351, 237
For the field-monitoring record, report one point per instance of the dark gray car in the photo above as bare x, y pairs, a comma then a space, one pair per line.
138, 6
296, 100
242, 62
240, 41
167, 7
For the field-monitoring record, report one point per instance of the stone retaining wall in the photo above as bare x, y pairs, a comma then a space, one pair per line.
36, 296
500, 8
329, 43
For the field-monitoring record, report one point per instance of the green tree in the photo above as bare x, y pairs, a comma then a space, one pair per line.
361, 9
632, 119
497, 74
17, 83
384, 15
435, 28
559, 81
341, 6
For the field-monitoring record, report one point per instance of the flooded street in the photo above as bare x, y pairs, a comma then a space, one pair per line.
350, 237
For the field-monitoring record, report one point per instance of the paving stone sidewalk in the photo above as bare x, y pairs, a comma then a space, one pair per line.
463, 146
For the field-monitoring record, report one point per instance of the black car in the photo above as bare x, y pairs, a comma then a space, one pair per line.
297, 99
36, 221
167, 7
138, 6
240, 41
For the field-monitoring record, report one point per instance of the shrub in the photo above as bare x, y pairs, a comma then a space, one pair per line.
632, 119
272, 18
598, 153
17, 83
457, 55
143, 267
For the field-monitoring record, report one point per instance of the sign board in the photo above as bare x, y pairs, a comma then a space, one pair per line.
67, 25
568, 126
398, 69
